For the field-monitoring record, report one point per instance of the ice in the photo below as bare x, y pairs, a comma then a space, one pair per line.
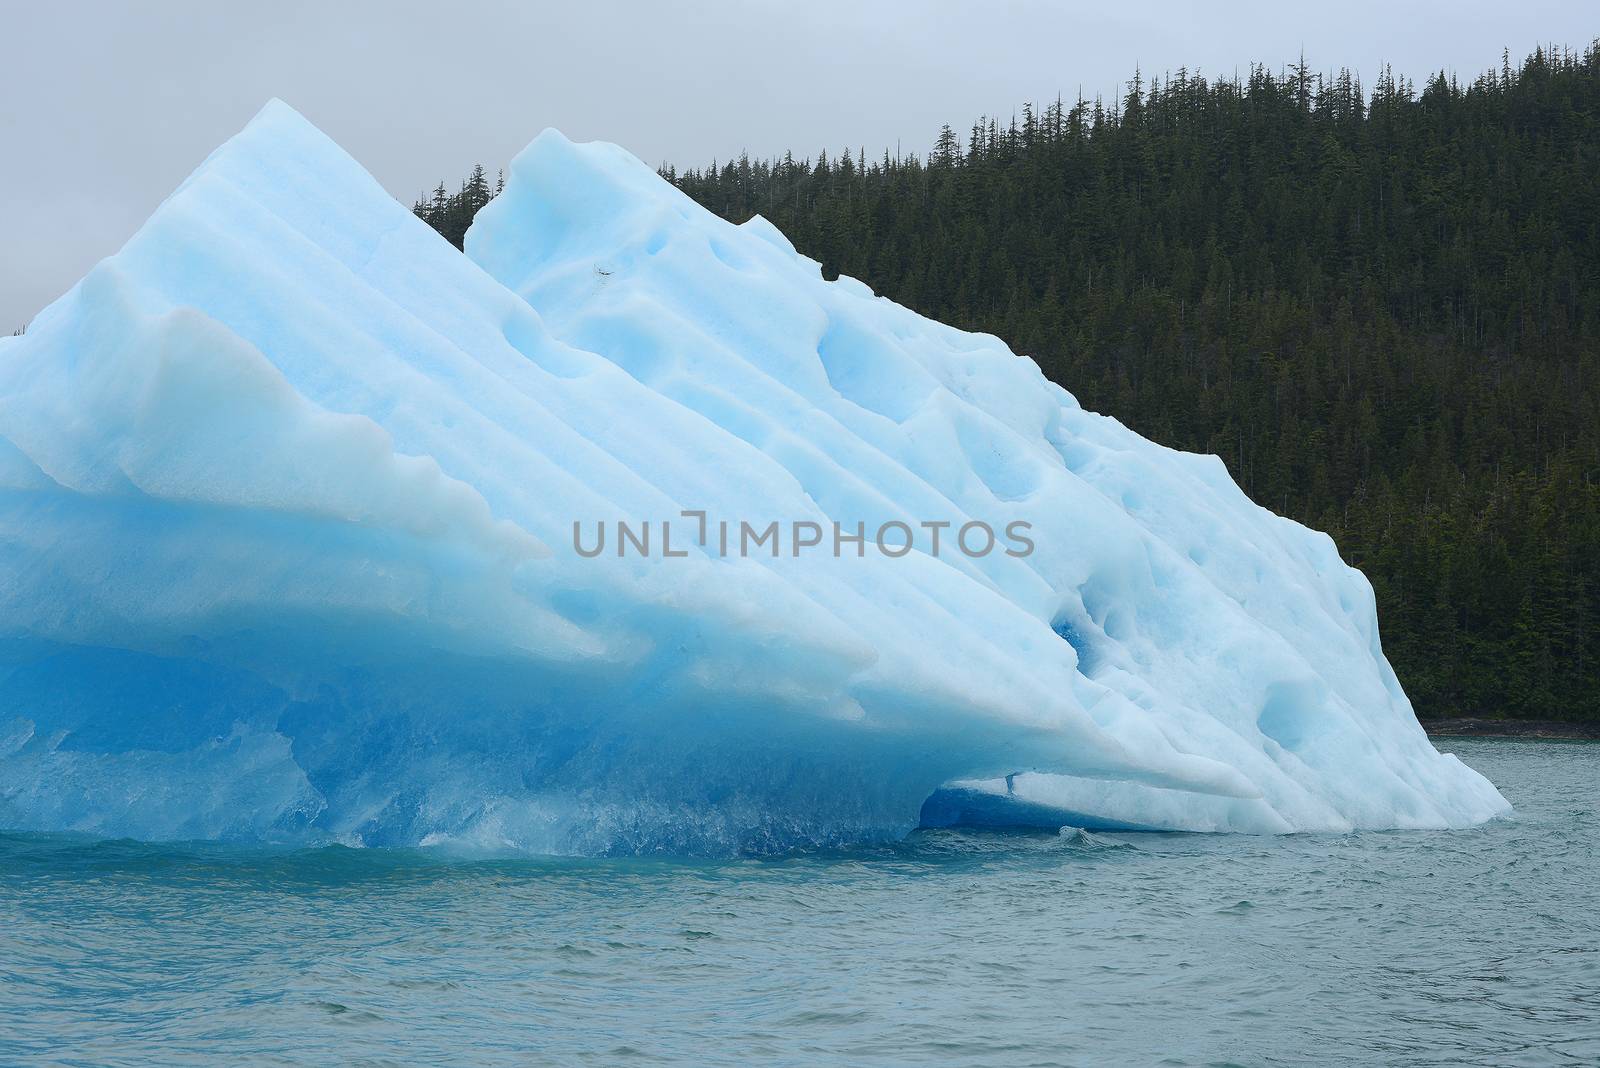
288, 490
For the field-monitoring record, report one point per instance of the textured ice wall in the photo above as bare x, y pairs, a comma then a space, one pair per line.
287, 489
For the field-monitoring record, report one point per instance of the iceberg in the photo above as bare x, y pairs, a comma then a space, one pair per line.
627, 532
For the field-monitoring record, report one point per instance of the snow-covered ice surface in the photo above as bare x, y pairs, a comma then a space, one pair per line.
287, 495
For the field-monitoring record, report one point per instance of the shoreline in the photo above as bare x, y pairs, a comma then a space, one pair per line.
1526, 729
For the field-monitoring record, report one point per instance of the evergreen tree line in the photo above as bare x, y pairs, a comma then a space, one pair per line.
451, 213
1381, 309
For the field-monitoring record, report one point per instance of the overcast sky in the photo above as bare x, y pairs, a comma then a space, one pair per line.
105, 107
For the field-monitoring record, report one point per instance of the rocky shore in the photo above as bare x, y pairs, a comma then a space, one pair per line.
1476, 727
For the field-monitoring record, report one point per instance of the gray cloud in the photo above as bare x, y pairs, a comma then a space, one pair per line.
108, 106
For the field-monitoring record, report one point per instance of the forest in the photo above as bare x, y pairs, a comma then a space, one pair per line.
1380, 306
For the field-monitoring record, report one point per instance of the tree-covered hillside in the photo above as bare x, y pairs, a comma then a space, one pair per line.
1381, 309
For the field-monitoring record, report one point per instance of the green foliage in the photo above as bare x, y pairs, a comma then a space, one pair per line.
451, 214
1381, 310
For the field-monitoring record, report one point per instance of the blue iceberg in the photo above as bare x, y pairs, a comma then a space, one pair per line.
299, 511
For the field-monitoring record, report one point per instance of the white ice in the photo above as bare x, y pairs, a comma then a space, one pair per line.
287, 495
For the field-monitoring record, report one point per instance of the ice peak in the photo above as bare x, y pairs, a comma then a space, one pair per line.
275, 131
564, 193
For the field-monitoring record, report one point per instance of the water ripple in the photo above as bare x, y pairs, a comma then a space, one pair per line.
951, 948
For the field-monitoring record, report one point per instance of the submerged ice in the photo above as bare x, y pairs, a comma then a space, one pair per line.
288, 489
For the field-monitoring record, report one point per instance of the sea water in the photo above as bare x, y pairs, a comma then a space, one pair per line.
1477, 946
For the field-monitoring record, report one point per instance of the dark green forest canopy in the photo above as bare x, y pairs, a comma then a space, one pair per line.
1381, 309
